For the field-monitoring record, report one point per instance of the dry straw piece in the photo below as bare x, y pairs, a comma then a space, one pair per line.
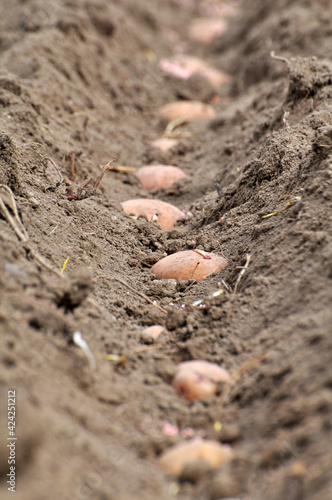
174, 460
189, 264
159, 176
191, 111
165, 214
199, 379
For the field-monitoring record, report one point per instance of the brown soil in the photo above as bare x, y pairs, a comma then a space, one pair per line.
82, 76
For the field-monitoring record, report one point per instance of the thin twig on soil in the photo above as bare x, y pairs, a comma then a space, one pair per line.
54, 229
72, 166
227, 287
243, 270
147, 348
82, 192
21, 231
141, 295
279, 58
169, 131
192, 274
95, 304
56, 168
181, 120
17, 226
43, 262
120, 168
24, 237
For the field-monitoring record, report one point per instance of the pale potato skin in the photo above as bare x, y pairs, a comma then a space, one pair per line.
188, 264
164, 144
167, 214
159, 176
183, 66
205, 30
199, 379
190, 111
154, 331
173, 460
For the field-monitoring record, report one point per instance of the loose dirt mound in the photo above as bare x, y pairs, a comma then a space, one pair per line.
79, 86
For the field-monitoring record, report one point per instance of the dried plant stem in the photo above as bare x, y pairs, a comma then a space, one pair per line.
17, 226
11, 221
147, 348
43, 262
278, 58
119, 168
141, 295
22, 234
21, 231
227, 287
72, 166
285, 119
56, 168
192, 274
243, 270
174, 124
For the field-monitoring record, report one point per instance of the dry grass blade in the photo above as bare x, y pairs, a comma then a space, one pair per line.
119, 168
279, 58
243, 270
82, 191
17, 226
43, 262
21, 231
141, 295
56, 168
173, 125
